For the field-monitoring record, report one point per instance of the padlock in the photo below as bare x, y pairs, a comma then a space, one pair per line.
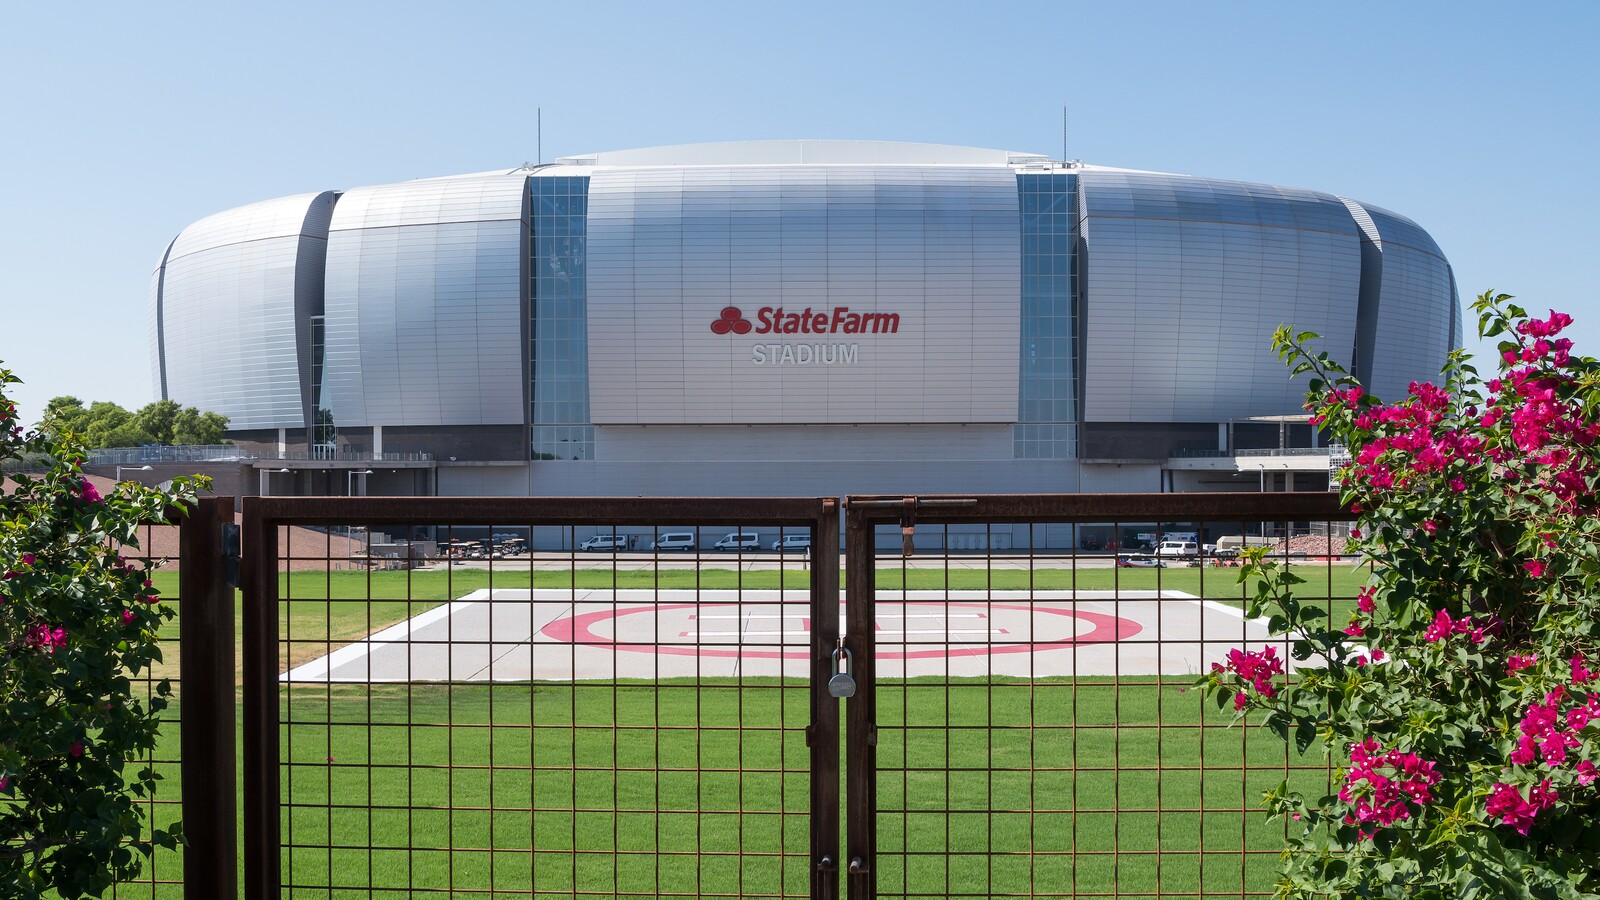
841, 685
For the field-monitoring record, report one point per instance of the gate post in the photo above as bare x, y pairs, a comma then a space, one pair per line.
861, 745
823, 735
207, 709
262, 846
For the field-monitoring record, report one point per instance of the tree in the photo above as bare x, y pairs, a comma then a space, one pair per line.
195, 427
157, 420
104, 424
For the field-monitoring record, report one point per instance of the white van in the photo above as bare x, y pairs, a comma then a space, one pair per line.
1178, 548
674, 540
612, 542
793, 543
739, 540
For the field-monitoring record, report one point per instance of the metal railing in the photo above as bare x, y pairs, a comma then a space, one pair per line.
123, 456
1284, 451
1191, 453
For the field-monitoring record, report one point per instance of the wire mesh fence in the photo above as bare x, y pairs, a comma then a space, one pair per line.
551, 700
183, 562
486, 698
162, 875
1029, 723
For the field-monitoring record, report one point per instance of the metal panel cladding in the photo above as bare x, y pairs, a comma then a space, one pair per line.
1186, 278
424, 303
803, 294
1416, 320
227, 299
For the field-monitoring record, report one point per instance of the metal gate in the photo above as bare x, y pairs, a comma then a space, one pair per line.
602, 719
619, 715
1025, 721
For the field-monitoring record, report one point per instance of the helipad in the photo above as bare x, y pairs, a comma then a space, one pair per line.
521, 635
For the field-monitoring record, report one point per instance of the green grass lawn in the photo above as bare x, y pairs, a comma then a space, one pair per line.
985, 789
1066, 787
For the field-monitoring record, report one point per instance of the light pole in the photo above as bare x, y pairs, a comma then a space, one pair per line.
131, 469
265, 479
350, 482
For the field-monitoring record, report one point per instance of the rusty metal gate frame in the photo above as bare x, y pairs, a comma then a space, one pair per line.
263, 516
864, 513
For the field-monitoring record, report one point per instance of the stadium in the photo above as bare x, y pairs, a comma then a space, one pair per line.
788, 318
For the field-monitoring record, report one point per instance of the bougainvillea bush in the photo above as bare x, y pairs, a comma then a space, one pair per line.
78, 624
1461, 701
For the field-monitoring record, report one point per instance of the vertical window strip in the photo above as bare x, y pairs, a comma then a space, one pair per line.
1046, 411
560, 310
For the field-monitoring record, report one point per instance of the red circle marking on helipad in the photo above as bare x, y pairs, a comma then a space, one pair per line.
579, 630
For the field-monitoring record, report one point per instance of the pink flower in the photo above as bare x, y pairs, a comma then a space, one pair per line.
76, 749
87, 493
5, 783
1441, 628
1381, 785
1431, 527
1378, 656
1506, 802
1458, 485
1364, 601
127, 616
1534, 567
28, 558
1580, 672
1256, 668
151, 598
1354, 629
1518, 663
1355, 533
1587, 773
46, 638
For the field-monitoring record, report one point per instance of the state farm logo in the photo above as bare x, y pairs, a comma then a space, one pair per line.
731, 320
774, 320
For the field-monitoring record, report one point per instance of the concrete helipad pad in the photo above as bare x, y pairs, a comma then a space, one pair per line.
521, 635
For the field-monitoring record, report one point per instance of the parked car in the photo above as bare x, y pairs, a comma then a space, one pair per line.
739, 540
793, 542
612, 542
1139, 562
674, 540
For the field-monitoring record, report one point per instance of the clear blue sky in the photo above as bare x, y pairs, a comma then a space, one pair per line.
126, 122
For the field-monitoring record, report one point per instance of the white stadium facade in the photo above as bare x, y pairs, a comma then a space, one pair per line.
788, 318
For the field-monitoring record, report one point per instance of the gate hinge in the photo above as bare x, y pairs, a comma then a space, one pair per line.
872, 735
230, 552
811, 735
908, 526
